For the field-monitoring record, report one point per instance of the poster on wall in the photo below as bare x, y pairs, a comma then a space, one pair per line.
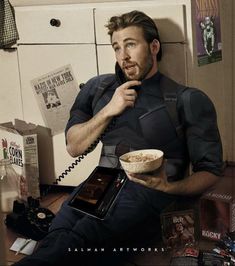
208, 31
55, 93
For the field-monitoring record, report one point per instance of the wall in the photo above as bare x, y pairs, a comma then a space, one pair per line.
216, 80
227, 75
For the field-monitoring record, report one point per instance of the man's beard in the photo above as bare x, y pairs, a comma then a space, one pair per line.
148, 67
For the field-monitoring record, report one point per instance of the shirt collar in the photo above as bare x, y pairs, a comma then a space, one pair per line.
151, 85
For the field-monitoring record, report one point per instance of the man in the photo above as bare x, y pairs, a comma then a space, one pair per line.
134, 100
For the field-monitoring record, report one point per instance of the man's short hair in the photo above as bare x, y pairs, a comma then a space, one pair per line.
138, 19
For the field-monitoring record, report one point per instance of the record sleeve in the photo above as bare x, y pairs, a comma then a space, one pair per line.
178, 228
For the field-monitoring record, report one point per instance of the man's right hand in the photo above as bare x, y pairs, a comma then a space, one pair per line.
81, 136
123, 97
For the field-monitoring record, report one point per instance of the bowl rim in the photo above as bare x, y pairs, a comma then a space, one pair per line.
139, 151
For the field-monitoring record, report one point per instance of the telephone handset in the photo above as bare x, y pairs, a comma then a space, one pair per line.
137, 88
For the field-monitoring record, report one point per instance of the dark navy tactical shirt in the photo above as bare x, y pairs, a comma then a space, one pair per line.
148, 125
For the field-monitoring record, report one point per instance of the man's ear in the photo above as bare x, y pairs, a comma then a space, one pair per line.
155, 46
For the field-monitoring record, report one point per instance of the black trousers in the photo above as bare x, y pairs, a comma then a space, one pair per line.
131, 222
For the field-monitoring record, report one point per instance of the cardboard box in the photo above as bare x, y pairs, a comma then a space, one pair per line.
217, 210
27, 144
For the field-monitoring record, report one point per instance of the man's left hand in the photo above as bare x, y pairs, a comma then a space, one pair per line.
156, 180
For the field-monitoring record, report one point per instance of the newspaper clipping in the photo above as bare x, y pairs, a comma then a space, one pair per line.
55, 93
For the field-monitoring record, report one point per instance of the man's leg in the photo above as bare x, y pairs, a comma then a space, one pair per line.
135, 213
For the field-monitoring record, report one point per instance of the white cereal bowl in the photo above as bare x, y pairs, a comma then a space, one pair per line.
141, 161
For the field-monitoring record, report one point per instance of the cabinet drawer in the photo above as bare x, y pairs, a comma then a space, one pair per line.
169, 19
55, 24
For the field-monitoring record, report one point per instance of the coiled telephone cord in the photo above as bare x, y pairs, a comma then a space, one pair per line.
80, 157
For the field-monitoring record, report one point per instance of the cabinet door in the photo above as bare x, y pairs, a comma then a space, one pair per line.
37, 60
10, 98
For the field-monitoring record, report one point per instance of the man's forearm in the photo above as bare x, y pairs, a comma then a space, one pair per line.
81, 136
197, 183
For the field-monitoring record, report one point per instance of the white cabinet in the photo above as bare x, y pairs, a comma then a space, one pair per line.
43, 48
11, 106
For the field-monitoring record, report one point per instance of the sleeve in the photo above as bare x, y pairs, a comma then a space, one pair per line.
203, 138
81, 110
